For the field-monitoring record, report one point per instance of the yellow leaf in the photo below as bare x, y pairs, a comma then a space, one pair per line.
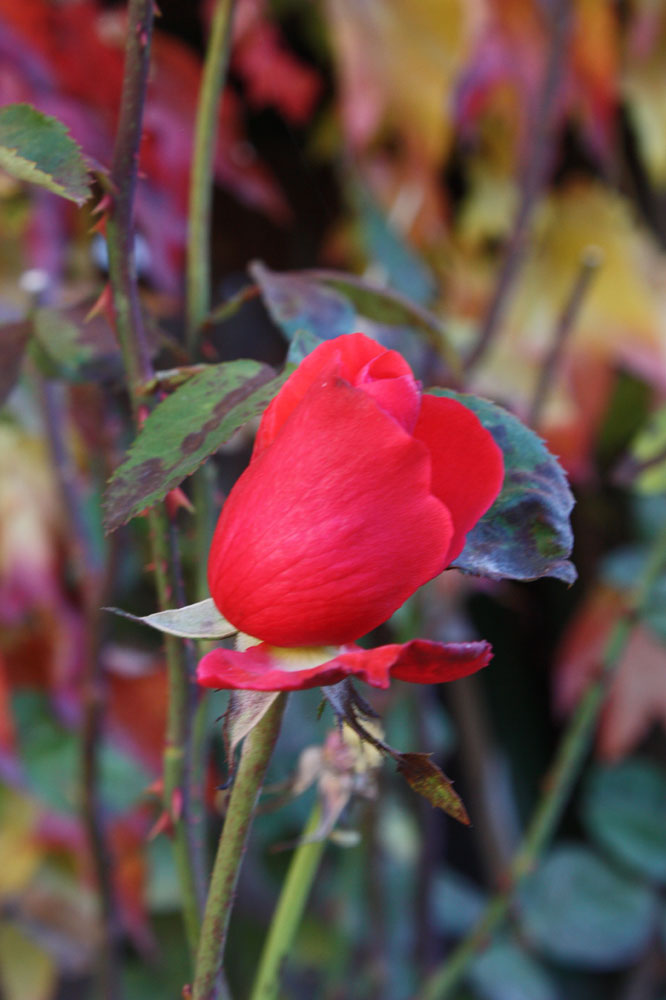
26, 972
399, 60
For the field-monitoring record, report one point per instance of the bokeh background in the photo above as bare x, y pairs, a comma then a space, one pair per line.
502, 164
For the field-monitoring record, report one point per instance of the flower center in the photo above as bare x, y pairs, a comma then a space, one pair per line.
292, 658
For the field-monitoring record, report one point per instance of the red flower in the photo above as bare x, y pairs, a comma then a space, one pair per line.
360, 490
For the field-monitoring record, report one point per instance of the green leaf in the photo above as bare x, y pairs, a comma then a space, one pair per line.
37, 148
580, 911
430, 782
526, 533
62, 343
624, 810
193, 621
504, 972
245, 710
51, 759
327, 304
649, 451
406, 272
183, 430
301, 306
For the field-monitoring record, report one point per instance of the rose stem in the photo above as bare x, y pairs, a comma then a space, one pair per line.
249, 778
138, 366
532, 182
557, 785
289, 910
201, 177
197, 307
591, 260
94, 584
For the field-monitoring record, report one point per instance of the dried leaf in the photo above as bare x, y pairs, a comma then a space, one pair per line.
430, 782
245, 710
193, 621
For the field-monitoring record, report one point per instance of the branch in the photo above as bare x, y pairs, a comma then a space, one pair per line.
201, 177
129, 323
531, 184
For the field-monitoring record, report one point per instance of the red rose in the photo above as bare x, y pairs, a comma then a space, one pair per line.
360, 490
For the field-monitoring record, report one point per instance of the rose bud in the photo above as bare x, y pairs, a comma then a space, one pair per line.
360, 489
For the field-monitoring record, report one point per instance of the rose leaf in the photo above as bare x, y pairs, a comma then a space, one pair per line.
37, 148
183, 430
526, 533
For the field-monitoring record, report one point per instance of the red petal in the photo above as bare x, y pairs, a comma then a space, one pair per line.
330, 529
467, 464
349, 356
421, 662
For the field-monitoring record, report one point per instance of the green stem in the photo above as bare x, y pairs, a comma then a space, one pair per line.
558, 785
176, 794
256, 754
289, 910
201, 178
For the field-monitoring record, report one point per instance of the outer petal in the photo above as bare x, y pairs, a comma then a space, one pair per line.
261, 668
330, 529
349, 356
467, 464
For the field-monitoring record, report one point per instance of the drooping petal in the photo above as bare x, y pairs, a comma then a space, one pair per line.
467, 464
330, 529
347, 356
265, 668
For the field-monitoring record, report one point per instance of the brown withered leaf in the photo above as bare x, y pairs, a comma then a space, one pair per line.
429, 781
245, 710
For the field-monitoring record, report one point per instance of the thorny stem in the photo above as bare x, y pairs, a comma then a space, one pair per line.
532, 182
129, 324
124, 169
289, 910
590, 262
93, 583
201, 177
255, 756
557, 787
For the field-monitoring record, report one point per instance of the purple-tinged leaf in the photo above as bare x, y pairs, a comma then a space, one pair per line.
526, 533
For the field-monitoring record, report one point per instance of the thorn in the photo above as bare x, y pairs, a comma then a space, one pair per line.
175, 500
163, 824
176, 804
103, 205
156, 10
155, 788
142, 414
99, 226
103, 306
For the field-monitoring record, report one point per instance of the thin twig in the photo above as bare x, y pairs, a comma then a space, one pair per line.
124, 287
92, 582
557, 787
477, 756
123, 176
201, 178
590, 262
532, 181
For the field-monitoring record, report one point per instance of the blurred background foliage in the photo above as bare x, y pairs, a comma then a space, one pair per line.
502, 164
